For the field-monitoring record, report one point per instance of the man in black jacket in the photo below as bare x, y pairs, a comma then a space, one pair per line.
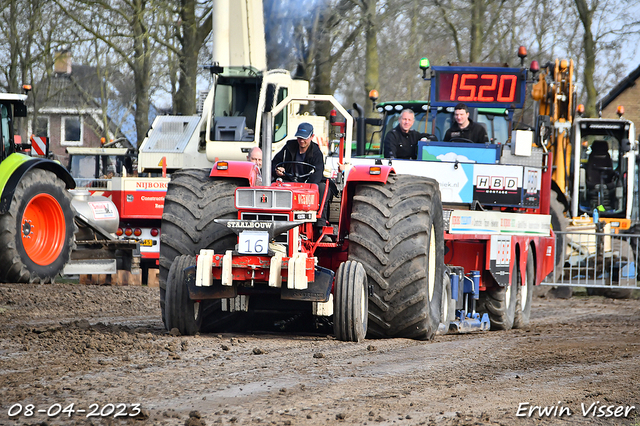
402, 141
303, 150
465, 128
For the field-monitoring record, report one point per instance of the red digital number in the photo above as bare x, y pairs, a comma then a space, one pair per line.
487, 87
512, 91
454, 86
470, 87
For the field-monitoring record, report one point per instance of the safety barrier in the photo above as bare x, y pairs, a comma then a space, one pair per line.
597, 260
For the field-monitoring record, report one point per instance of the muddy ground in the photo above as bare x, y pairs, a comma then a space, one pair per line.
104, 350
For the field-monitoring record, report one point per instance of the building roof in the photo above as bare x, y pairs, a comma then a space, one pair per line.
625, 83
80, 90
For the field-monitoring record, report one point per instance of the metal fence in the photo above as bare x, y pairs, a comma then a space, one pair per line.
91, 183
597, 260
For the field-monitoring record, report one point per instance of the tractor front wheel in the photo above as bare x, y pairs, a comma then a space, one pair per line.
37, 232
351, 302
180, 311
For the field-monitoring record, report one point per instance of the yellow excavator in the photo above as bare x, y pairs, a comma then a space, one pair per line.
595, 181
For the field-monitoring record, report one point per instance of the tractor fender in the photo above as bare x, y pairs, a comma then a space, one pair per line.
15, 166
367, 173
235, 169
356, 174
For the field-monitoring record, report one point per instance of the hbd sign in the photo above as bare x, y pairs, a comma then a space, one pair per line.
497, 184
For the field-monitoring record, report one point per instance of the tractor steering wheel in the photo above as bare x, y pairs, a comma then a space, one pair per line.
459, 139
294, 177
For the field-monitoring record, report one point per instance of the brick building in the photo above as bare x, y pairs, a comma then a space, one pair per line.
70, 110
627, 94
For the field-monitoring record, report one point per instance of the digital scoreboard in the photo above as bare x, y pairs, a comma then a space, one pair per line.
478, 86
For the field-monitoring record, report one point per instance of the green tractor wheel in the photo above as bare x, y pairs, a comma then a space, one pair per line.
37, 232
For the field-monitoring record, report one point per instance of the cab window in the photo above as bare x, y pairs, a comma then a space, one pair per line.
236, 98
280, 122
4, 130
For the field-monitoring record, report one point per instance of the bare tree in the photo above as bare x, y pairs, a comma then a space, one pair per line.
586, 17
280, 18
105, 20
29, 33
310, 39
468, 22
191, 31
370, 24
606, 24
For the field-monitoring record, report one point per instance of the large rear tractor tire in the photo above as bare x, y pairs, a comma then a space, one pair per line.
525, 293
36, 234
192, 203
397, 234
351, 302
500, 303
180, 311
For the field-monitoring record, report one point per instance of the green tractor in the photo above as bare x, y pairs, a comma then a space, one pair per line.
495, 120
36, 215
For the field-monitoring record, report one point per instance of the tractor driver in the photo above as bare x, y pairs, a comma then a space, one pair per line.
402, 141
300, 150
464, 128
303, 150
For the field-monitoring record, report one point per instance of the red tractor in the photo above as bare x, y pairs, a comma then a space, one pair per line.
229, 247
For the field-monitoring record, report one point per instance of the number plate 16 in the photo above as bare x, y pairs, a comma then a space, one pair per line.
253, 242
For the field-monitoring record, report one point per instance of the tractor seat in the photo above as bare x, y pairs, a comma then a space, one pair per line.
599, 165
600, 177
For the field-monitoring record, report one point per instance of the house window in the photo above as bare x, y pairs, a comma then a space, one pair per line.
42, 127
71, 131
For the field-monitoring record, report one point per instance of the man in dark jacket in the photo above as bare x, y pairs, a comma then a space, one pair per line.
402, 141
465, 128
303, 150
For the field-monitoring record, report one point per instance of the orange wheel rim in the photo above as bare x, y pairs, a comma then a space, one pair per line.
43, 229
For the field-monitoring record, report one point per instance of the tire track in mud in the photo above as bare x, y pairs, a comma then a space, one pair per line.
66, 343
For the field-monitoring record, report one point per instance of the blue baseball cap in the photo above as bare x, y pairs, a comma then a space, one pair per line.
304, 130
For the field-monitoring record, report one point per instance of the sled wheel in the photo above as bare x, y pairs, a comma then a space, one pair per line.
448, 312
500, 303
525, 294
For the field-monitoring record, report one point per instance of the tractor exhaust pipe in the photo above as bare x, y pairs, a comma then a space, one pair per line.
267, 136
